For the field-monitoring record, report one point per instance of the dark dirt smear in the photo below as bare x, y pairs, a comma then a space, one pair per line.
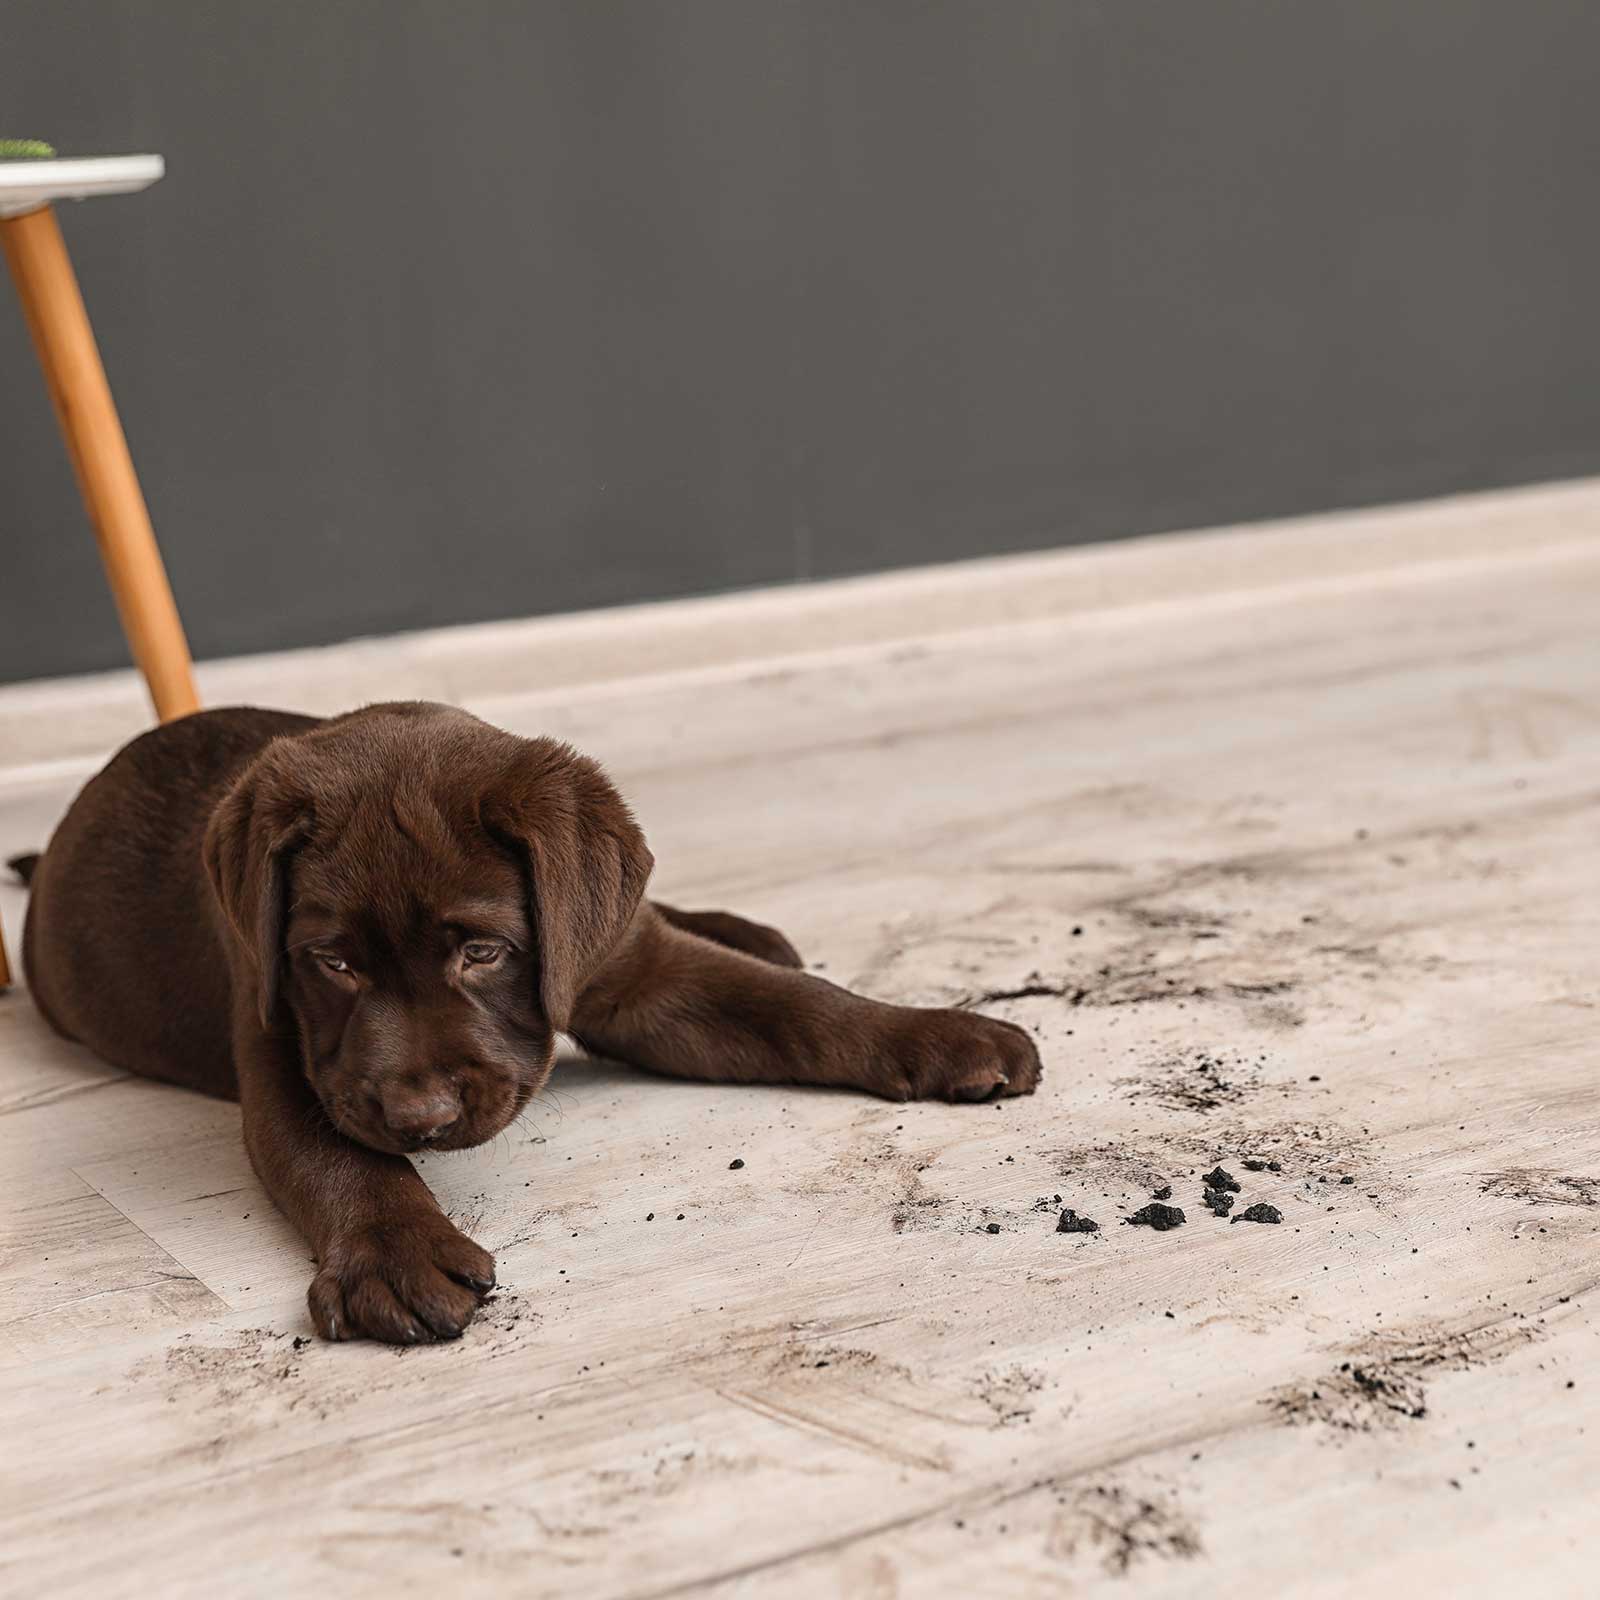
1135, 986
913, 1207
1384, 1383
1300, 1149
1122, 1526
504, 1312
1260, 1212
1196, 1080
1007, 1391
256, 1358
1541, 1186
1138, 977
917, 1210
1175, 917
804, 1355
1129, 1167
1034, 988
245, 1379
1157, 1216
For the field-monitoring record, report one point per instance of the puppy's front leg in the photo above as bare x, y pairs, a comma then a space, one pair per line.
391, 1265
680, 1005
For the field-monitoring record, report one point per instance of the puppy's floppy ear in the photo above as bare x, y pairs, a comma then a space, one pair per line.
585, 856
247, 844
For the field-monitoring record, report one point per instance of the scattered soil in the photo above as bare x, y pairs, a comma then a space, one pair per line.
248, 1378
1197, 1080
1006, 1392
1157, 1216
256, 1358
1384, 1381
804, 1355
1071, 1222
897, 1172
1112, 1165
1219, 1201
504, 1310
1259, 1212
1307, 1148
1251, 1164
1163, 1193
1122, 1525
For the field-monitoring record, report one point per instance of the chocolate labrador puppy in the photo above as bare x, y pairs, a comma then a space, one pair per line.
369, 930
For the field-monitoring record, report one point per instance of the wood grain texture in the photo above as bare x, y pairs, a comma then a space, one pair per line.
1305, 876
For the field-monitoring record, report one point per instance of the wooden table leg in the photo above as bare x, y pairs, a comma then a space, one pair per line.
56, 318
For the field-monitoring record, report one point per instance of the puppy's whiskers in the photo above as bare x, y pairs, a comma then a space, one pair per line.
556, 1094
537, 1136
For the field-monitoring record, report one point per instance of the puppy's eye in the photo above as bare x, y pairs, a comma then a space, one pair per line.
332, 962
482, 953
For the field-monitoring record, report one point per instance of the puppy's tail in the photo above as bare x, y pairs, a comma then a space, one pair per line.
24, 865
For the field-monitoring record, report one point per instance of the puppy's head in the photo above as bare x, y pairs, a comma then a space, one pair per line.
423, 898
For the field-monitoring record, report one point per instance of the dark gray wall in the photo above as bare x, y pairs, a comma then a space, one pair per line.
452, 311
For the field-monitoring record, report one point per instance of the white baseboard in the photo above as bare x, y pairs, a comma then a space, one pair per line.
65, 724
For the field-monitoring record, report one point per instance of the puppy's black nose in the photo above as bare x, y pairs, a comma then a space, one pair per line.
420, 1116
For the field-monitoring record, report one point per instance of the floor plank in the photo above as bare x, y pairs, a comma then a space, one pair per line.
1305, 877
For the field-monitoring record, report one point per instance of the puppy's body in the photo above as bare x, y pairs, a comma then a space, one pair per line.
369, 930
126, 947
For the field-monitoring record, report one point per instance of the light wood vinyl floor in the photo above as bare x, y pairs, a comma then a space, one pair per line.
1307, 877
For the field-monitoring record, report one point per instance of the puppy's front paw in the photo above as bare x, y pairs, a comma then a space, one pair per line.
404, 1282
959, 1055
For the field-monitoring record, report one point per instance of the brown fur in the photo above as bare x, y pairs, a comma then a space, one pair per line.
369, 930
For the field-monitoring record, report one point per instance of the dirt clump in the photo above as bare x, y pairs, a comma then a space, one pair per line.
1157, 1216
1071, 1222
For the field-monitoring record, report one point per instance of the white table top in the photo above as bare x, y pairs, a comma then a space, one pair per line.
27, 185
